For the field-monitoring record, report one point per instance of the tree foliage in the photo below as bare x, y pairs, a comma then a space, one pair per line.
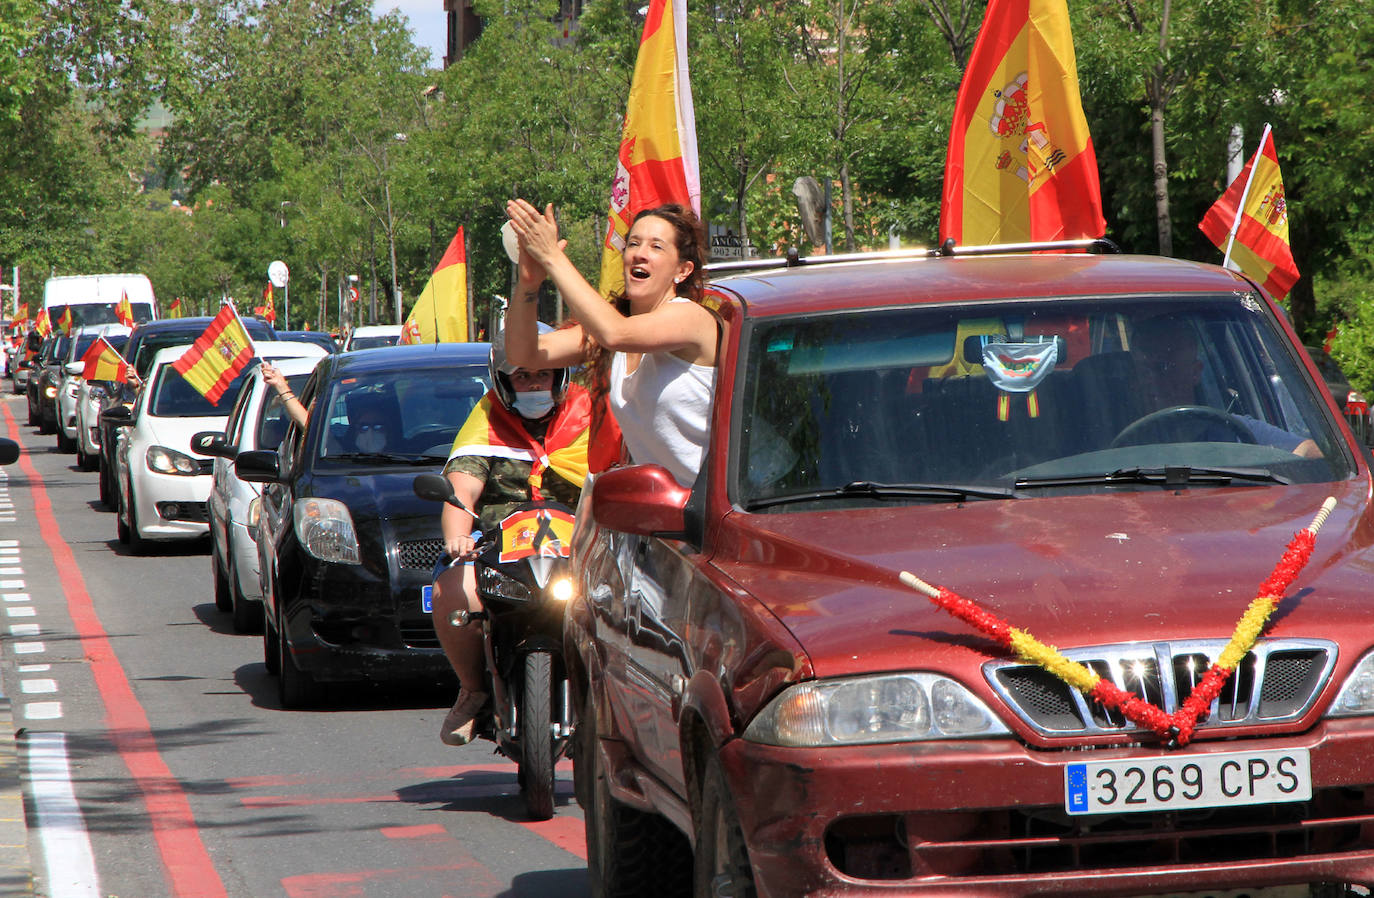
312, 132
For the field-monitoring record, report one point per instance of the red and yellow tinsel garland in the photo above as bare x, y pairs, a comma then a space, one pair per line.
1176, 728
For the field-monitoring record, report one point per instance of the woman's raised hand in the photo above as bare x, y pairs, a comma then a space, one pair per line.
537, 233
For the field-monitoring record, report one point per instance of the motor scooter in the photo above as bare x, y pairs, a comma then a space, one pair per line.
524, 581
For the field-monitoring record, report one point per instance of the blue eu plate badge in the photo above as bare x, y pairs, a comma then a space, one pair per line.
427, 599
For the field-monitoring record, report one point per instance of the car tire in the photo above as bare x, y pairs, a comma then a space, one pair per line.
137, 544
33, 416
121, 526
270, 657
722, 859
247, 615
630, 852
296, 688
536, 736
224, 600
106, 493
64, 442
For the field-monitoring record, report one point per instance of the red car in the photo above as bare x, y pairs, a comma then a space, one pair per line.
1108, 454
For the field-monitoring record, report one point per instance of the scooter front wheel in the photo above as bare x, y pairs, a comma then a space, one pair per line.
536, 736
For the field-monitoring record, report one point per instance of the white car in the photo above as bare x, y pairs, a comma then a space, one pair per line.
163, 485
372, 335
258, 420
71, 382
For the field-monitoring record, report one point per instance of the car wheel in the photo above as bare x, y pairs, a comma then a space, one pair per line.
296, 688
536, 736
33, 415
270, 657
247, 615
106, 493
629, 852
722, 860
64, 442
137, 544
121, 525
224, 601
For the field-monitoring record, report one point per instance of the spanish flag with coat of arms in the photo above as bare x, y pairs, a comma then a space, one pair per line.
1249, 223
218, 355
1021, 165
493, 431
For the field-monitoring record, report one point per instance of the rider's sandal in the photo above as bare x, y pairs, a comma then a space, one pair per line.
461, 719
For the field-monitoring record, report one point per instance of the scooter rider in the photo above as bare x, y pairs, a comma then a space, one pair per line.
525, 440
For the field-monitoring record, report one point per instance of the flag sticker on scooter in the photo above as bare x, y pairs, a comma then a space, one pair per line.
536, 531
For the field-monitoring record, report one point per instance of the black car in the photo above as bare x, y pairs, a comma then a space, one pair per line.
144, 343
344, 544
44, 374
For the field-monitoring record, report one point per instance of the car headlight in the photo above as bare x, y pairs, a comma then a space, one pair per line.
254, 516
324, 528
865, 710
169, 461
50, 391
1357, 694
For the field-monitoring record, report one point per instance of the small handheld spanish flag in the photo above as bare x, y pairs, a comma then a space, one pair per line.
43, 324
217, 356
125, 310
103, 362
65, 321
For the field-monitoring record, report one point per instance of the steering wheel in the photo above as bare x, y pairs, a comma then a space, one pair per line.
1176, 416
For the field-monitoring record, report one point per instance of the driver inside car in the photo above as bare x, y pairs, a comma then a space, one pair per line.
525, 440
1172, 376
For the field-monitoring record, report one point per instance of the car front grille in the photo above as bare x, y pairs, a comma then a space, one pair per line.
419, 634
1277, 681
419, 554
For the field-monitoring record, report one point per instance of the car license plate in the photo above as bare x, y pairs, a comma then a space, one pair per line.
1170, 782
427, 599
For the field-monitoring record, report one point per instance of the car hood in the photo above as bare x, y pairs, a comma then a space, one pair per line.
176, 433
1072, 571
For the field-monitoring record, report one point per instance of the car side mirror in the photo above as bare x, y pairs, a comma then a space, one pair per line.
643, 500
258, 466
119, 416
74, 369
211, 442
9, 451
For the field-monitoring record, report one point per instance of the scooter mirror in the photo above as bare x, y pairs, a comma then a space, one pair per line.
436, 488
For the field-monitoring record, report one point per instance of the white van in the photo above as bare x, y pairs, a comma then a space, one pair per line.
93, 297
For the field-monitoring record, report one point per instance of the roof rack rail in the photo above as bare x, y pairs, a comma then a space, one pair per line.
793, 259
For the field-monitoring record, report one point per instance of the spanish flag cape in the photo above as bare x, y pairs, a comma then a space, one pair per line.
493, 431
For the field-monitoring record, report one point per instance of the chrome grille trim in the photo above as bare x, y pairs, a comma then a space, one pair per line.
1277, 681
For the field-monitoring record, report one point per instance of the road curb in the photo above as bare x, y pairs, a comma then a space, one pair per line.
16, 866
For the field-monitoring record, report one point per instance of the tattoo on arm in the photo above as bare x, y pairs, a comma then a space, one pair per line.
530, 296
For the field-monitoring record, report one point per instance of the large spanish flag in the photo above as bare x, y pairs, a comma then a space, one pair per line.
657, 162
1249, 223
493, 431
440, 315
217, 356
103, 362
1021, 165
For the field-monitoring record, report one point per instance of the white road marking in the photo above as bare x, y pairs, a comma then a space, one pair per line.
65, 844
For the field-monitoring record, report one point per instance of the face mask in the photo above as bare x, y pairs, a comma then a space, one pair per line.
372, 440
533, 405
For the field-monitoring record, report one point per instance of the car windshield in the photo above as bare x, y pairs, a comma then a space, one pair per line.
174, 397
1024, 398
372, 342
406, 416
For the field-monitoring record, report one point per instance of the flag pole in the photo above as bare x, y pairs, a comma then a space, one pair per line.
1245, 194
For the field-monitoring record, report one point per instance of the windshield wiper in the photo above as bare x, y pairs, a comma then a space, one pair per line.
384, 458
944, 492
1167, 475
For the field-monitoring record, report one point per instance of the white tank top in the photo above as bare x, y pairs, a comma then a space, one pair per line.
664, 411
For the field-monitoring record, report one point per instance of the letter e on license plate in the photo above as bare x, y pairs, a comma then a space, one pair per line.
1169, 782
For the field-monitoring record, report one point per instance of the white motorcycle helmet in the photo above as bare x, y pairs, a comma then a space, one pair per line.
501, 370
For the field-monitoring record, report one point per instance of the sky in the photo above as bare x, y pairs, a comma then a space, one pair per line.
428, 24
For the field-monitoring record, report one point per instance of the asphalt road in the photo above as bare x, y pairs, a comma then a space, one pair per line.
188, 776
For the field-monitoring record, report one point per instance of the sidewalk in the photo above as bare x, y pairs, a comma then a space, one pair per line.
16, 868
